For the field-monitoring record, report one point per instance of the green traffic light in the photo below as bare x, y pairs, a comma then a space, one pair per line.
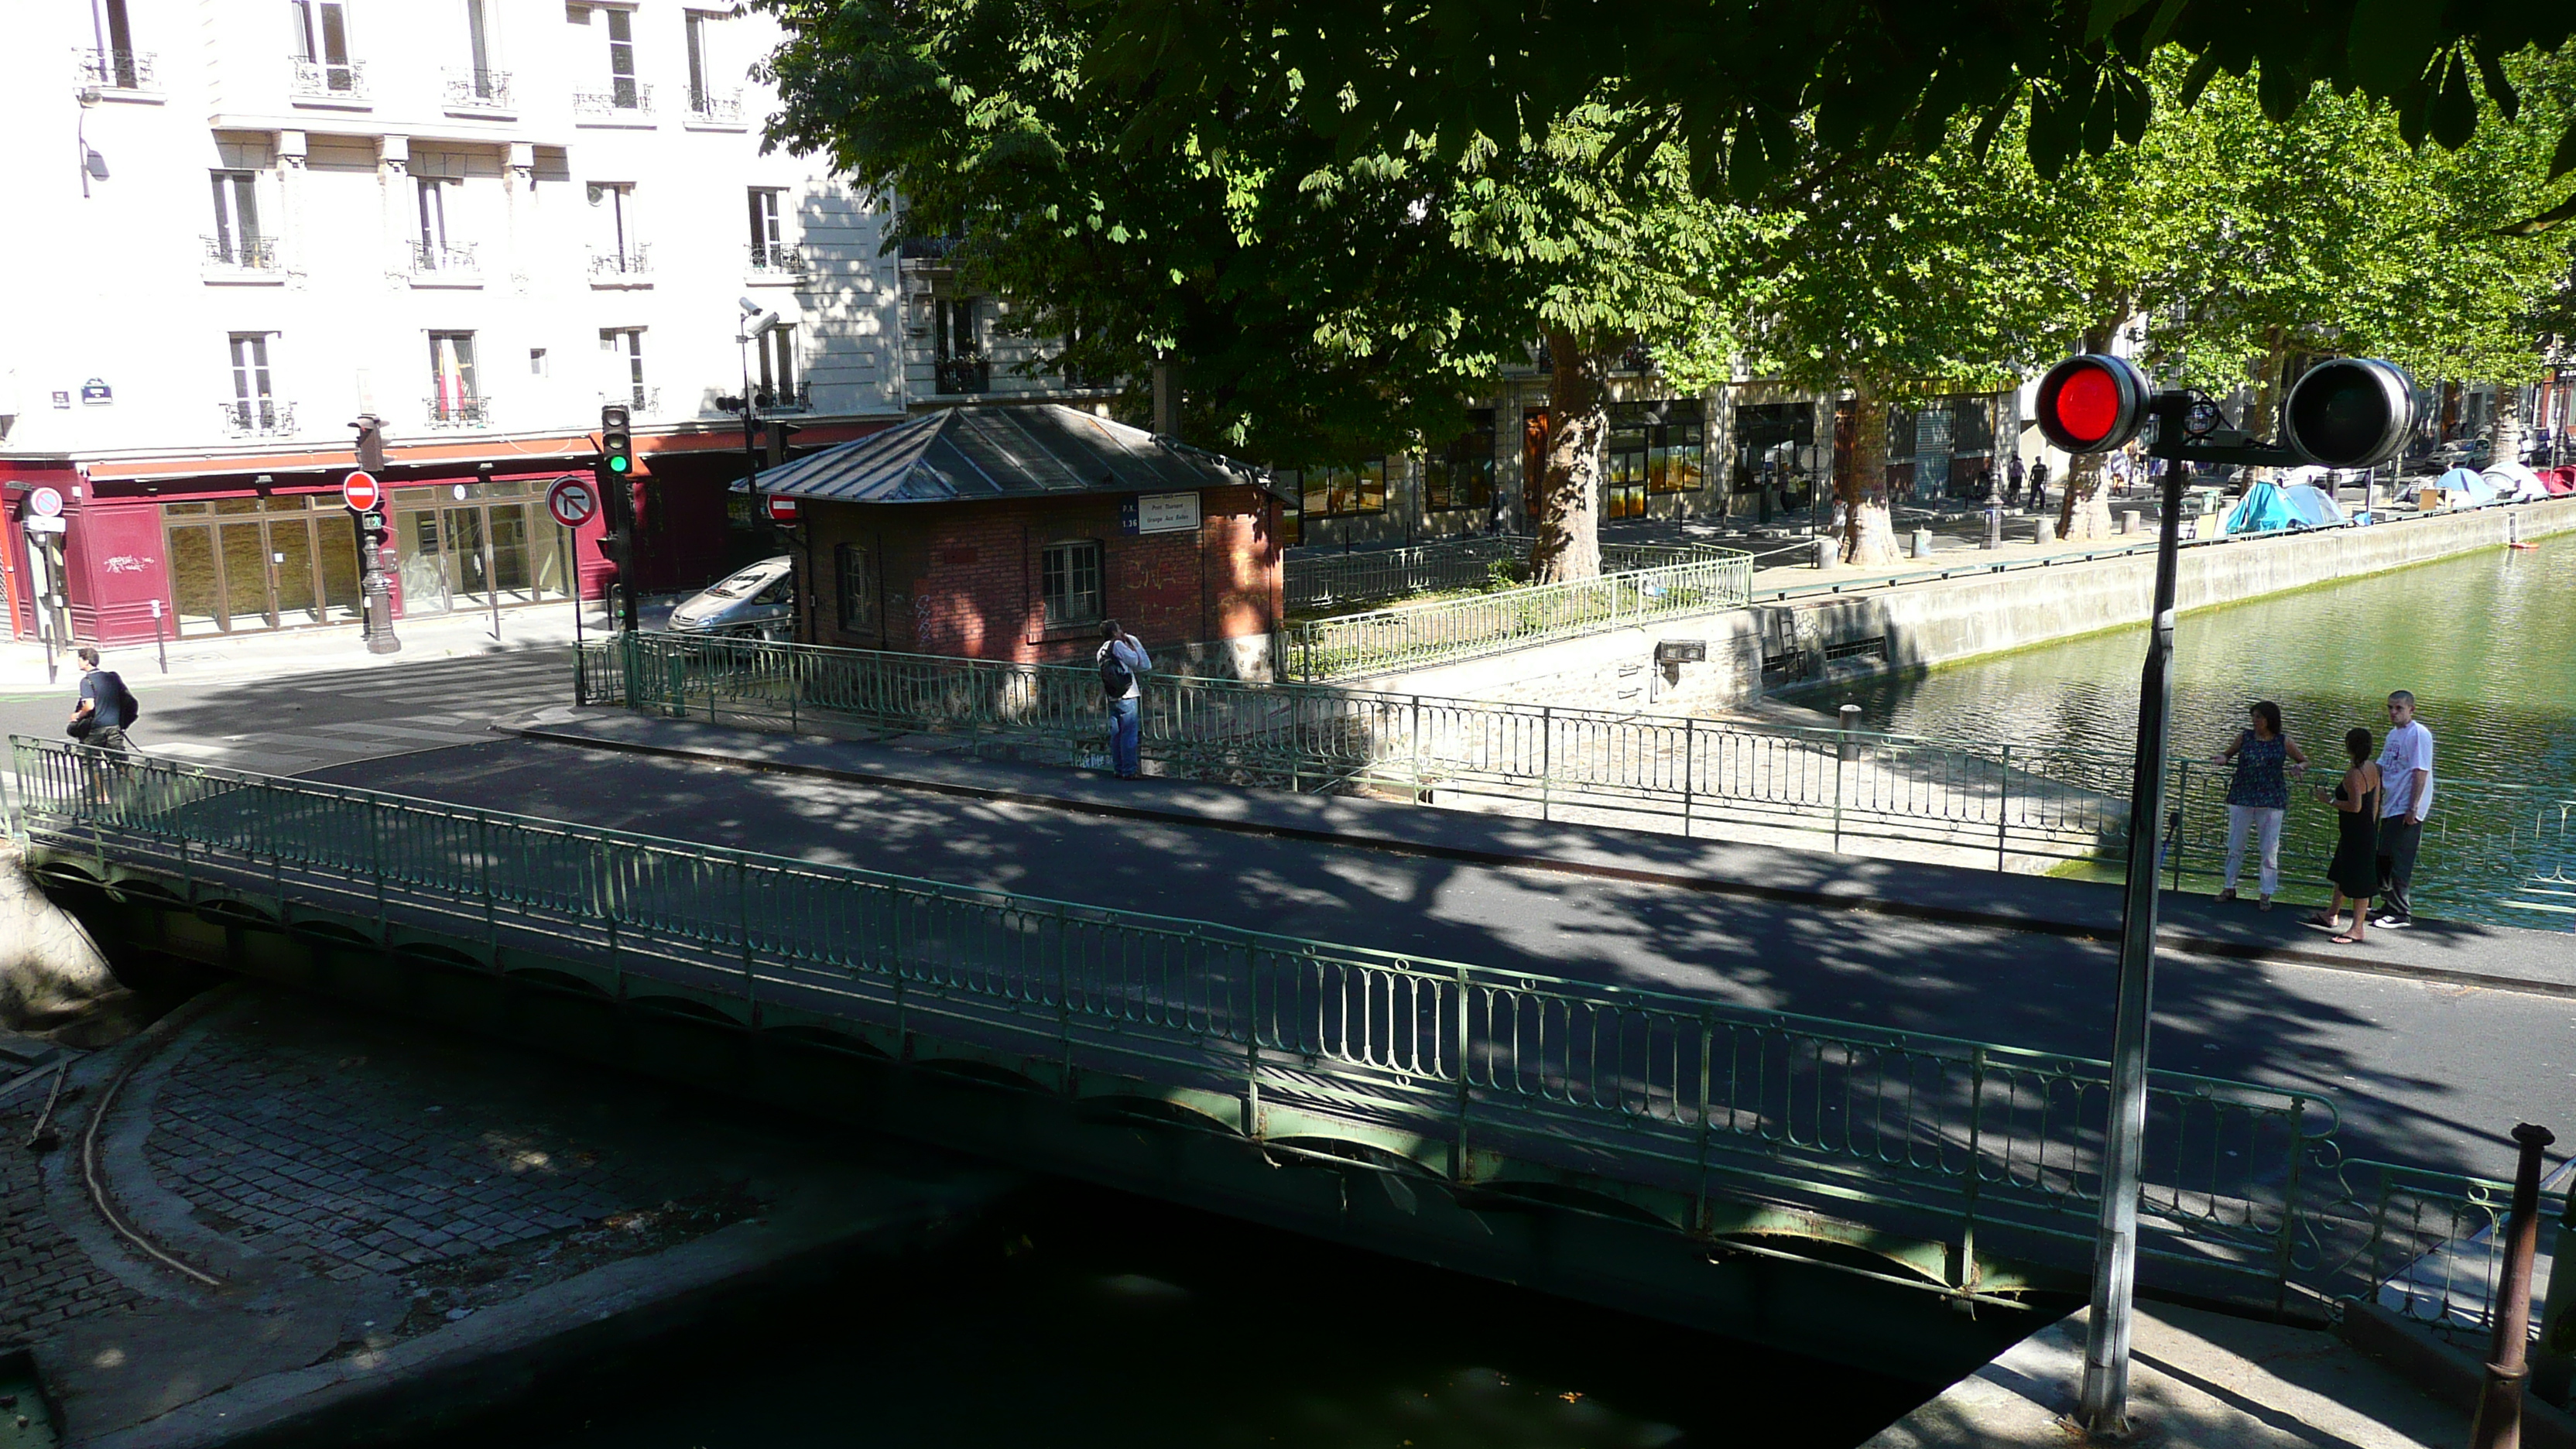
617, 465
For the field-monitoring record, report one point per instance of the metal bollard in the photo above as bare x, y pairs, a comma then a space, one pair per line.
1922, 544
1849, 717
1994, 528
2128, 520
1824, 553
2043, 531
2499, 1421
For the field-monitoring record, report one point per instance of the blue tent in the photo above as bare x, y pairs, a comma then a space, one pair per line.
2262, 511
2314, 507
2465, 488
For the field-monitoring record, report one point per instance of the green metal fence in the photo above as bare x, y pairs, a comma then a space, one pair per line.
2495, 853
1315, 579
1987, 1147
1424, 634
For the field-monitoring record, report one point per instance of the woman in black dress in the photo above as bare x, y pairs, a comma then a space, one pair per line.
2355, 868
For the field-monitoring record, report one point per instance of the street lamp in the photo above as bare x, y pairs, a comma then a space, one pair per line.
2345, 413
757, 323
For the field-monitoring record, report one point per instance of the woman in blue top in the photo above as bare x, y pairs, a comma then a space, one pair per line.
2259, 794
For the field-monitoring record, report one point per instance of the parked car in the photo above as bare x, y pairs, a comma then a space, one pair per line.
758, 602
2464, 453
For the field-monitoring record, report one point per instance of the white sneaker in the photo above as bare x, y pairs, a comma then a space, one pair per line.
2389, 923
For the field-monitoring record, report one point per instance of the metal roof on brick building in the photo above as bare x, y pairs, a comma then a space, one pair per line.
1039, 451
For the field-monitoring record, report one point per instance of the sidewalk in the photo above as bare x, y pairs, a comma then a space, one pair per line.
275, 653
305, 1211
2493, 957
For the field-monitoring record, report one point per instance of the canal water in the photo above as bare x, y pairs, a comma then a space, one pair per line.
1086, 1318
2486, 641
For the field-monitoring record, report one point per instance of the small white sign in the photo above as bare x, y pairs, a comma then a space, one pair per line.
1167, 512
47, 525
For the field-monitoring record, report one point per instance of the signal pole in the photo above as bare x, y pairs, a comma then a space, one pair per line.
375, 591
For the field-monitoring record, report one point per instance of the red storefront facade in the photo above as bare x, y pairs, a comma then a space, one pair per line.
182, 549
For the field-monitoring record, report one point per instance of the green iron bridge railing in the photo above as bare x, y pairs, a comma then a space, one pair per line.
2494, 853
1711, 1109
1732, 1122
1313, 580
1420, 635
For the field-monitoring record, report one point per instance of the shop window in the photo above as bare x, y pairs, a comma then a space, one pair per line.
856, 587
1337, 490
1461, 475
1069, 582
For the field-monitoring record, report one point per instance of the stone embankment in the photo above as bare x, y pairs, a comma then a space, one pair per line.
268, 1220
1912, 625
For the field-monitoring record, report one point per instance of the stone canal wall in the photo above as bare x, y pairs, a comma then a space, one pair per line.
1916, 625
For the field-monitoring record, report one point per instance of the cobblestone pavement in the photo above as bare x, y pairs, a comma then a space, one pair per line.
45, 1279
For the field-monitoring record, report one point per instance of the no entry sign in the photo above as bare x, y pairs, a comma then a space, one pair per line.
360, 491
572, 501
781, 510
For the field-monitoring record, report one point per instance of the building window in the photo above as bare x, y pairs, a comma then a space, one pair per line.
769, 250
778, 369
623, 92
483, 82
254, 405
537, 362
116, 64
453, 396
1337, 490
620, 250
1069, 583
704, 102
856, 587
1654, 447
625, 349
236, 241
1461, 475
958, 346
321, 36
436, 249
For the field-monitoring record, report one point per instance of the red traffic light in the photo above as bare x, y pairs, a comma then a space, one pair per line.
2092, 403
2350, 412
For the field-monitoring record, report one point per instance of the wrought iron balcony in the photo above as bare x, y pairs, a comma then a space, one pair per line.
623, 97
766, 400
253, 253
116, 70
258, 415
327, 80
469, 87
776, 257
708, 106
639, 398
962, 374
438, 258
459, 412
927, 248
636, 260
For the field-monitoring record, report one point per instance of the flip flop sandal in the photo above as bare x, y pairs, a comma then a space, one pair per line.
2349, 941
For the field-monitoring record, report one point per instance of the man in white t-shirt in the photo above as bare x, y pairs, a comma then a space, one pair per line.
2405, 793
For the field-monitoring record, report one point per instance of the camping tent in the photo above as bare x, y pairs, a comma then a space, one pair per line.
2464, 488
2515, 483
2559, 481
2314, 507
2261, 511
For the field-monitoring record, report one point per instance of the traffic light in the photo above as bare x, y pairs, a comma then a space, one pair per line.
616, 442
612, 547
776, 449
2351, 412
371, 443
2093, 403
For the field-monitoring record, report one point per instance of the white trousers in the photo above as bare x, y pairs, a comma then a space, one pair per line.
2268, 820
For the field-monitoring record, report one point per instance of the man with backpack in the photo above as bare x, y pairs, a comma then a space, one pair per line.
1122, 664
105, 704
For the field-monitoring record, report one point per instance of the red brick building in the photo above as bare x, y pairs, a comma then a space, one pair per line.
1011, 532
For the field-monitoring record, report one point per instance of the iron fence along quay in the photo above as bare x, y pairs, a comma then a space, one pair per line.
2494, 853
1350, 645
1369, 575
1703, 1103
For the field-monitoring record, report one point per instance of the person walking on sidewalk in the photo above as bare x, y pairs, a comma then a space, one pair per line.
2259, 795
2354, 871
2406, 793
2039, 486
2012, 481
99, 719
1123, 665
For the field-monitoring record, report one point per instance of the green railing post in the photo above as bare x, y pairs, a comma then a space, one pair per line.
1458, 1151
2003, 806
376, 866
2289, 1207
1251, 1042
491, 907
1546, 758
1976, 1170
742, 910
1707, 1046
2182, 806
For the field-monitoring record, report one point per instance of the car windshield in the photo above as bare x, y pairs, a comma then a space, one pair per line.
742, 585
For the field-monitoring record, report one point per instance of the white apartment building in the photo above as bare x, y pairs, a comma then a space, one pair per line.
241, 224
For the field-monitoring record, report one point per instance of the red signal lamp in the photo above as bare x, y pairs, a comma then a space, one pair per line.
2093, 403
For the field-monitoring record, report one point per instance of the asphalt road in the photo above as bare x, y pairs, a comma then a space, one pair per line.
2427, 1074
291, 723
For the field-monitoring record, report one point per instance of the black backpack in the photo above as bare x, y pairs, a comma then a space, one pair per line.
1115, 678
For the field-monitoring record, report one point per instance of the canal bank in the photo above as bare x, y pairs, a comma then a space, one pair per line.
1917, 621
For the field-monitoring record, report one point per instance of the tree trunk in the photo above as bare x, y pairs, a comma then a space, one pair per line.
2508, 425
2083, 512
1565, 514
1869, 539
2266, 422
